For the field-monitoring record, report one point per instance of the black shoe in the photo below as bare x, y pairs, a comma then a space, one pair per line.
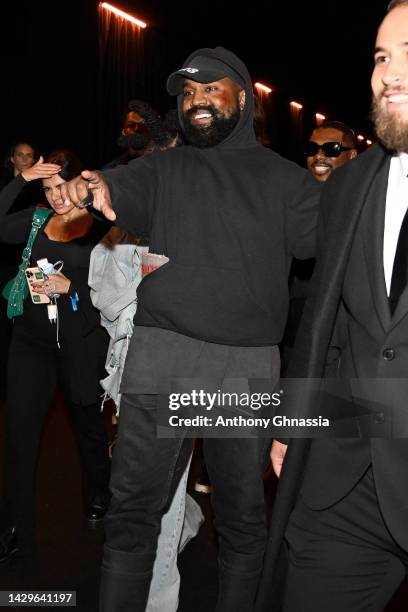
8, 545
95, 513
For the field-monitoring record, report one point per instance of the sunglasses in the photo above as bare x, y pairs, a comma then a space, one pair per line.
330, 149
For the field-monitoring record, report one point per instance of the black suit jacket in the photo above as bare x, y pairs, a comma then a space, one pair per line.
350, 311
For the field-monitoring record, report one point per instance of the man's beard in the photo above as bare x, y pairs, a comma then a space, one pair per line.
391, 130
212, 134
136, 140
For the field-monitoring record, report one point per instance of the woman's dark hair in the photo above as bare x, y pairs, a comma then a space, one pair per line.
71, 165
8, 167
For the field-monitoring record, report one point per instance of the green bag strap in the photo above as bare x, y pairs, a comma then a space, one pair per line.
18, 290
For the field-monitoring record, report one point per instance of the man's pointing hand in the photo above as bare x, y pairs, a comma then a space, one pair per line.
78, 189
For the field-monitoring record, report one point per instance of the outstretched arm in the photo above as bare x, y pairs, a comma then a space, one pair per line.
125, 195
14, 229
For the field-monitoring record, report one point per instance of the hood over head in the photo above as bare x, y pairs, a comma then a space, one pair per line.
208, 65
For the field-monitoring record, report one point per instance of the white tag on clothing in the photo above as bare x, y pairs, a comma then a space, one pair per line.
52, 312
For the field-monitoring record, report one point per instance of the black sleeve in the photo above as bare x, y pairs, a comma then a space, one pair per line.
301, 351
297, 367
15, 228
302, 202
133, 193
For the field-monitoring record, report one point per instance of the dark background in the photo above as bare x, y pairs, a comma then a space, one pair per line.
60, 91
56, 90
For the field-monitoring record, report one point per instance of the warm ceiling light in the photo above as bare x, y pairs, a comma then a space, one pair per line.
120, 13
296, 105
320, 117
263, 87
360, 137
369, 142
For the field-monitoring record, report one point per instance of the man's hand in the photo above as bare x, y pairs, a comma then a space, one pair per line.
278, 452
40, 171
76, 190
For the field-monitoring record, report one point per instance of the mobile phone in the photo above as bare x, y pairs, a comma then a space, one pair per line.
36, 275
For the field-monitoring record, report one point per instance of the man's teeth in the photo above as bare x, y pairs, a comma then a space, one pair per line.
321, 169
202, 115
398, 99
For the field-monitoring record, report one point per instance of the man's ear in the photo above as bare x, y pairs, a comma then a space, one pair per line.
241, 99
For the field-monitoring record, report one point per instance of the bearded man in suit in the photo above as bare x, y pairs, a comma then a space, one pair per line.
343, 503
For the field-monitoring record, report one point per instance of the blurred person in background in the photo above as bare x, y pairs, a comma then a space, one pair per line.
20, 156
135, 134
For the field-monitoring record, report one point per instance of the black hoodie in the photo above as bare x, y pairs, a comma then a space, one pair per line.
230, 218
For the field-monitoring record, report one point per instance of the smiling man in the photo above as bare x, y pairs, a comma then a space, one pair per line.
345, 500
229, 215
330, 146
211, 110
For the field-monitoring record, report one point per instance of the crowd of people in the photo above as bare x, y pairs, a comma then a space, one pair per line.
201, 261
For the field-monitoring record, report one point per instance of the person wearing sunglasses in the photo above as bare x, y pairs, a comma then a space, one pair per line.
330, 146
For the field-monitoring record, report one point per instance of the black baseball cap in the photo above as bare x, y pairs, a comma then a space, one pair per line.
203, 70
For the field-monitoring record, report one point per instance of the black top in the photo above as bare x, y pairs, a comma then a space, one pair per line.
230, 218
230, 223
81, 337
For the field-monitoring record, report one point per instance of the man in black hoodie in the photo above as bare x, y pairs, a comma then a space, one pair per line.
230, 215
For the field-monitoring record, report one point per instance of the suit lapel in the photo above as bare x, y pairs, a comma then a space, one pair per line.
373, 240
348, 198
401, 309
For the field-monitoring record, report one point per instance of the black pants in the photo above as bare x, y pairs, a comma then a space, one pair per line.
145, 474
343, 559
33, 373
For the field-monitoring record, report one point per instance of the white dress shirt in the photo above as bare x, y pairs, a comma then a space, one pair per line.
395, 208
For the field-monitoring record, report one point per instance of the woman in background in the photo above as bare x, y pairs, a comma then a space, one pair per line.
20, 156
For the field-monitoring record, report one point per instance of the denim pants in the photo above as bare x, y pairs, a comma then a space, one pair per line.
180, 523
144, 477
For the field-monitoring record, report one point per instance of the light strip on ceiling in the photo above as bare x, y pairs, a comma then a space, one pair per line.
122, 14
